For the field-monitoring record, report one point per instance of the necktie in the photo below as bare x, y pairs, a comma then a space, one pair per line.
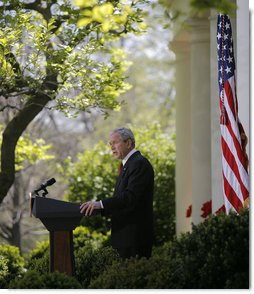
120, 168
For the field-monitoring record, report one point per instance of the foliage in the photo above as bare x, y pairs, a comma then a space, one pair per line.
83, 236
109, 17
215, 255
3, 271
222, 6
35, 280
129, 274
199, 7
88, 65
40, 265
11, 264
90, 177
38, 258
40, 249
91, 258
48, 61
95, 179
29, 151
221, 243
90, 263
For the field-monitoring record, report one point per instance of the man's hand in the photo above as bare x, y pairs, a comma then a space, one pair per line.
87, 208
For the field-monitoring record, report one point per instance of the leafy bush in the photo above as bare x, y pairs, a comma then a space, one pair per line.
130, 274
215, 255
95, 179
35, 280
3, 271
83, 239
40, 250
90, 263
83, 235
38, 258
40, 265
11, 264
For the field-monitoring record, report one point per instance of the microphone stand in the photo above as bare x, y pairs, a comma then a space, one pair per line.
44, 193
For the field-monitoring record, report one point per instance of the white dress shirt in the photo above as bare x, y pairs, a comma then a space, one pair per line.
128, 156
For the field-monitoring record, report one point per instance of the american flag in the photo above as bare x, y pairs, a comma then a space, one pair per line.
233, 138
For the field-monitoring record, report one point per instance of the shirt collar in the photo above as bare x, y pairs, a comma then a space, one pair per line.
128, 156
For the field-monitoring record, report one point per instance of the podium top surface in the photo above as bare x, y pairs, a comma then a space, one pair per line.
56, 215
52, 208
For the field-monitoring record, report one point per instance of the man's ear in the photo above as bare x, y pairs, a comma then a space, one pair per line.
129, 143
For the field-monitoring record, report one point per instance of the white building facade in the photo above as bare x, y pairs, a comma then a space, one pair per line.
198, 137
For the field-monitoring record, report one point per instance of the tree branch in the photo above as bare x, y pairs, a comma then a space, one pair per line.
19, 92
10, 137
36, 6
8, 106
5, 232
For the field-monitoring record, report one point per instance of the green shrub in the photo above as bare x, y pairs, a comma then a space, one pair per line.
215, 255
3, 272
38, 258
212, 255
11, 264
83, 235
90, 263
40, 250
131, 274
95, 179
40, 265
35, 280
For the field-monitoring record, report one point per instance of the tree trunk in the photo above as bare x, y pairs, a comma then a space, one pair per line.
11, 135
17, 214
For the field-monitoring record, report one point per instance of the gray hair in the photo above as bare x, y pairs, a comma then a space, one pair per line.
125, 134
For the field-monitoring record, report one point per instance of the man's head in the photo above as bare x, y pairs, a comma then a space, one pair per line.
121, 141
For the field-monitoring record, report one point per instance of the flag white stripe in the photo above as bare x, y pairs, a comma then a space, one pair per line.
228, 139
232, 119
231, 81
232, 179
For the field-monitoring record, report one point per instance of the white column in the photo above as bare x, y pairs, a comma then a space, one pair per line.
193, 127
200, 120
181, 47
242, 56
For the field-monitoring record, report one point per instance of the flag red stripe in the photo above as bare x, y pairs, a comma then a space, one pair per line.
237, 145
232, 163
231, 195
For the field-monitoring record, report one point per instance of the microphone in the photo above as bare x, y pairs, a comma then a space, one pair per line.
43, 187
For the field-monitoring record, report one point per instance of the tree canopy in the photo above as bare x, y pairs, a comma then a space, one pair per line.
61, 55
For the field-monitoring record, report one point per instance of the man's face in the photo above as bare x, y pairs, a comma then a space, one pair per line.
119, 147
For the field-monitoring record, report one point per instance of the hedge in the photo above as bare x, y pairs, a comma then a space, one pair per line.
215, 255
11, 264
36, 280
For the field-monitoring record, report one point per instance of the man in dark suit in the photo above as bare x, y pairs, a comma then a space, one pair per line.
131, 207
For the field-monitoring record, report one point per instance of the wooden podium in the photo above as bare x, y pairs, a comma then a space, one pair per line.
60, 218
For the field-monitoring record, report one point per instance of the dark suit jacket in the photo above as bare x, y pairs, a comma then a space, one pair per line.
131, 207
